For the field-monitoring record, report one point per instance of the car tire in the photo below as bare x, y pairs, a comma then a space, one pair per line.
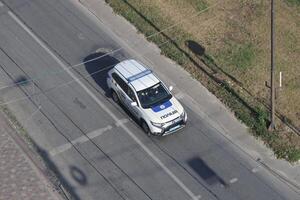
115, 97
145, 128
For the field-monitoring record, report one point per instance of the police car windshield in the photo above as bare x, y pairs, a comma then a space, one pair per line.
153, 95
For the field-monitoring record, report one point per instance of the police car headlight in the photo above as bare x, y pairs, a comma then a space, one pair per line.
159, 125
182, 116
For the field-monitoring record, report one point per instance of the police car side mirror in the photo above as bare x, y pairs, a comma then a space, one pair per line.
133, 103
171, 88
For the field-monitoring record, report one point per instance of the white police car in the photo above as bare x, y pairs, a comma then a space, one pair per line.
146, 97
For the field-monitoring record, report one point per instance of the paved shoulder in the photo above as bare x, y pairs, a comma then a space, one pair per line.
20, 179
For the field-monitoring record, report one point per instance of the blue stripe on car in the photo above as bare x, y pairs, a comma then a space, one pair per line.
139, 75
163, 106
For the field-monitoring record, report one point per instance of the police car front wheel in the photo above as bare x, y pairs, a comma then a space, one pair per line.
145, 127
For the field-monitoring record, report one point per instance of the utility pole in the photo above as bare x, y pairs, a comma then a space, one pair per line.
272, 125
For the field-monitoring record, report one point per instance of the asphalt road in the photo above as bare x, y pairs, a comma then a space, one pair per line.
93, 145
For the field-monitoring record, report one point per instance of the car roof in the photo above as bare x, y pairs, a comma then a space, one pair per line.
139, 76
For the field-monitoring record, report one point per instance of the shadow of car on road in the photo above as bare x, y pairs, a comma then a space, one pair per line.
97, 65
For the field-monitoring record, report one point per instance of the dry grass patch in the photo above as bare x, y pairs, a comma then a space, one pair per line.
232, 39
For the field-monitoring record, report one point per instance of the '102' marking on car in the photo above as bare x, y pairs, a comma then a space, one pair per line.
169, 114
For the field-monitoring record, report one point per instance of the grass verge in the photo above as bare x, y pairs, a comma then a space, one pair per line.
294, 2
148, 20
238, 55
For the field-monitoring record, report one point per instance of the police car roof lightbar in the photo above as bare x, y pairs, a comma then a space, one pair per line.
139, 75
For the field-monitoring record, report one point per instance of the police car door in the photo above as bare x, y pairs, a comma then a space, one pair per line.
131, 97
120, 86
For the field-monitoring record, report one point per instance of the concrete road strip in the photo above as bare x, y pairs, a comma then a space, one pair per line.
179, 95
256, 169
79, 140
85, 138
106, 109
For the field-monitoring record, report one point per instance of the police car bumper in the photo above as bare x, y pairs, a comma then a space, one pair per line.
170, 128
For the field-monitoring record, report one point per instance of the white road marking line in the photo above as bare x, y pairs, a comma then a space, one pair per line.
79, 140
105, 108
121, 121
103, 50
32, 115
60, 149
233, 180
98, 132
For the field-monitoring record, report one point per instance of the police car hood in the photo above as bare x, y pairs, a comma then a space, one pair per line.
164, 112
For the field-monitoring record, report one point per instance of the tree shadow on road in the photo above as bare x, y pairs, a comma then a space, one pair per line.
55, 175
78, 175
205, 172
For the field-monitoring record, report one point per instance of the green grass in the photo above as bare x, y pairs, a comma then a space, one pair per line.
257, 7
243, 55
198, 4
293, 2
294, 84
16, 124
292, 42
239, 55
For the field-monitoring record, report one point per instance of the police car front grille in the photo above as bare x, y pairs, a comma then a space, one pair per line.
170, 122
173, 125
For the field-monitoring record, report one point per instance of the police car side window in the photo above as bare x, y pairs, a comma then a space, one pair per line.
120, 82
131, 95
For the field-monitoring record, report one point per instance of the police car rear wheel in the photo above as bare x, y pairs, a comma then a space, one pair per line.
115, 97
